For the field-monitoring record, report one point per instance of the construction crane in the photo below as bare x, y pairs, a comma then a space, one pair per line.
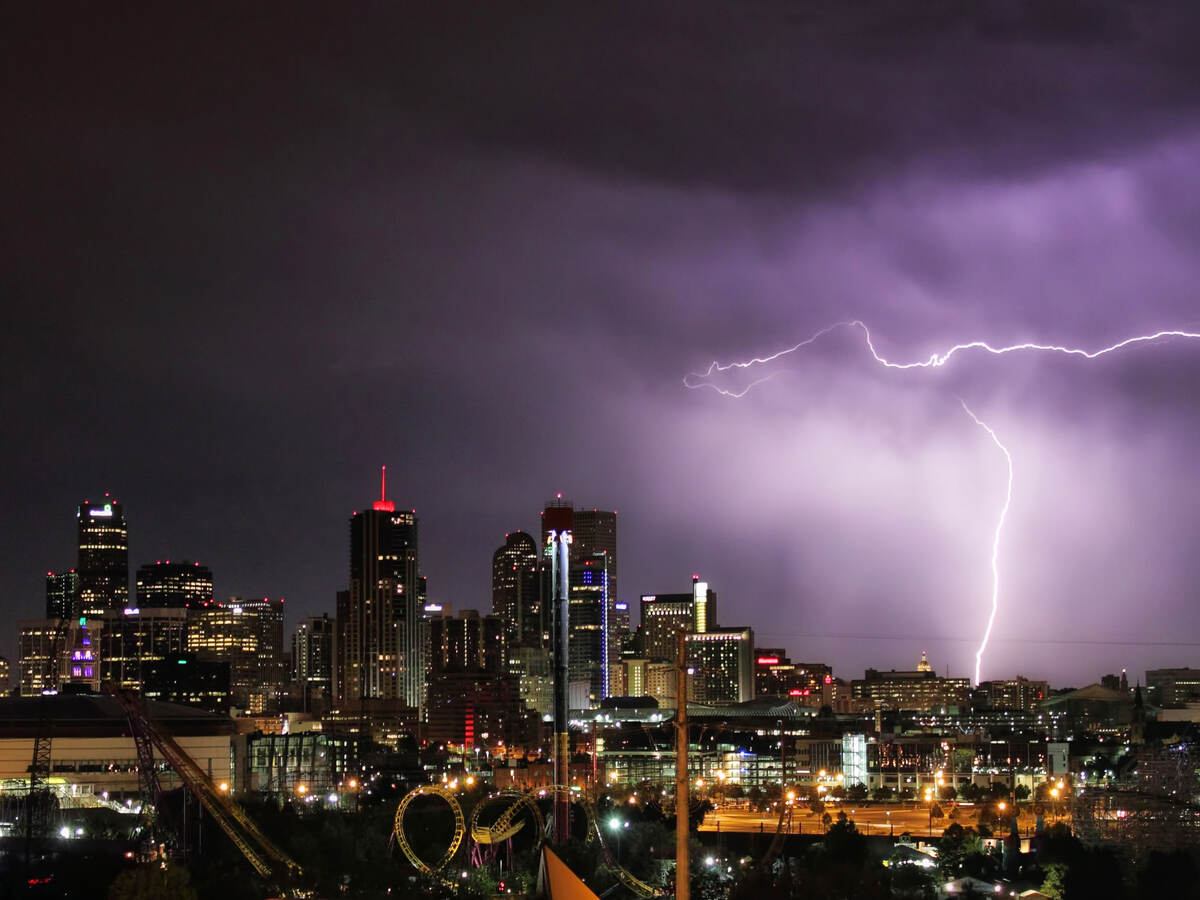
261, 852
37, 799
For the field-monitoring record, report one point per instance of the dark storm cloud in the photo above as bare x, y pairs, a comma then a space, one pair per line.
252, 253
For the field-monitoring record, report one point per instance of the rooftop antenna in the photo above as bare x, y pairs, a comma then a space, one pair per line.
383, 504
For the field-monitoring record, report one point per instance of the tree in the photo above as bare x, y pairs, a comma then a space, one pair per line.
883, 793
947, 792
1054, 883
971, 793
756, 796
856, 793
1021, 792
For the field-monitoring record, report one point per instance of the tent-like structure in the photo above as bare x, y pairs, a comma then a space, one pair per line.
557, 882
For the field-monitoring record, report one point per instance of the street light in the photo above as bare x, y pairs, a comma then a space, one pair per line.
929, 800
615, 824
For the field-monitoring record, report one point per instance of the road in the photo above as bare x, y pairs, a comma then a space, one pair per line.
873, 818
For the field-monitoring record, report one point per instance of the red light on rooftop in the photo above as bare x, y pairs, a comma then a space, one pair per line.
383, 504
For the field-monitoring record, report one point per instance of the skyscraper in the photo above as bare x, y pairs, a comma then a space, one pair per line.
312, 657
173, 585
596, 624
466, 643
248, 634
62, 595
381, 627
517, 591
666, 616
588, 658
103, 557
133, 639
721, 665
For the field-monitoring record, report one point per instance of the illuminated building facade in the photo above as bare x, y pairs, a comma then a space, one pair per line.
587, 611
76, 656
665, 618
517, 591
919, 690
382, 640
173, 585
5, 676
777, 676
103, 566
531, 667
1019, 693
136, 639
466, 643
248, 634
312, 658
479, 712
721, 666
62, 595
1173, 687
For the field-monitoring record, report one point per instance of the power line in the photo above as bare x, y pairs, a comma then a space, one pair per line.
963, 640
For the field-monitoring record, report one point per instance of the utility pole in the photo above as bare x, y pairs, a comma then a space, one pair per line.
682, 886
558, 547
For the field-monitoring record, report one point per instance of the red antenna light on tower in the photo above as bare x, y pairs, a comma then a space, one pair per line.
383, 504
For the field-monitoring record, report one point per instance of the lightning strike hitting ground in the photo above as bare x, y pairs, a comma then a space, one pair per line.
995, 539
936, 360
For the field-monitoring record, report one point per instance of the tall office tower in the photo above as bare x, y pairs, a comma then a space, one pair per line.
595, 531
248, 634
466, 643
517, 591
587, 617
597, 622
665, 617
722, 666
312, 657
704, 606
173, 585
62, 595
381, 654
133, 639
103, 557
5, 676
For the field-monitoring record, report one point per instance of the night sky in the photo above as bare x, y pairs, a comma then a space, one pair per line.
251, 252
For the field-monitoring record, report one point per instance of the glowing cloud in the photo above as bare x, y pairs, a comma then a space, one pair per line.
936, 360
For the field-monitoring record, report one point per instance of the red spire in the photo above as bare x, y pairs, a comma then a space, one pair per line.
383, 504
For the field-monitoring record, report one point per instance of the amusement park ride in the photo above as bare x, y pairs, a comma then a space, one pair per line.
486, 841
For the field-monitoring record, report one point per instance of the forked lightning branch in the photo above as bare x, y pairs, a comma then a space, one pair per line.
937, 360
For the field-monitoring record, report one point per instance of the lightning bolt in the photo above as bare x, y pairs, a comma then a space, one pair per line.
995, 538
936, 360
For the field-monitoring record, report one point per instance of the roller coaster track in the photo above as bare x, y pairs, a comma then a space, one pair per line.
504, 827
260, 851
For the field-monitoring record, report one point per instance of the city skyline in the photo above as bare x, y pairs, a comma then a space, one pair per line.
296, 616
253, 257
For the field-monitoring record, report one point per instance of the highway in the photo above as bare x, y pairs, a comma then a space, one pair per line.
873, 818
